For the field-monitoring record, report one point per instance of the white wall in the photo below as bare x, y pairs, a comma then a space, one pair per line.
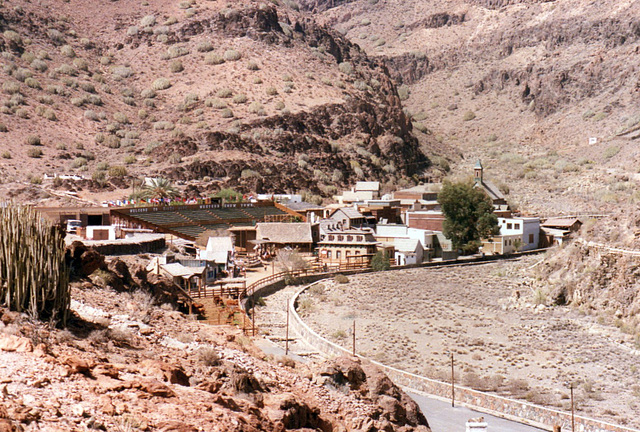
526, 228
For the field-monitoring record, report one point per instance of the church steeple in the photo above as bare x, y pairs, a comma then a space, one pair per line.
477, 173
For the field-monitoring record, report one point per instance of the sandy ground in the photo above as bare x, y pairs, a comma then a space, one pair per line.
502, 342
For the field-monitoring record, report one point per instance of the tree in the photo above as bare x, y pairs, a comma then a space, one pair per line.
159, 188
380, 261
468, 213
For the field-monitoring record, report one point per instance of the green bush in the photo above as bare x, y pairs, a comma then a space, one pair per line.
117, 171
380, 261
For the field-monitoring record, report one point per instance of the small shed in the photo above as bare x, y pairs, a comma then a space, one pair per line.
278, 235
408, 251
565, 224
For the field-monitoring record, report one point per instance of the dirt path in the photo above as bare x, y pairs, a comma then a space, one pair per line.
488, 317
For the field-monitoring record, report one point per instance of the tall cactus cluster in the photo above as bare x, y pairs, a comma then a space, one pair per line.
34, 276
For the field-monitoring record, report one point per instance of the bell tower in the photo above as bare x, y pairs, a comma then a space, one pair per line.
477, 173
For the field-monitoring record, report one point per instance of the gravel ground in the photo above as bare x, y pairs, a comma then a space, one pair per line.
488, 317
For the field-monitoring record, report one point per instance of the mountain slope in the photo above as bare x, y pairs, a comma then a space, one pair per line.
257, 97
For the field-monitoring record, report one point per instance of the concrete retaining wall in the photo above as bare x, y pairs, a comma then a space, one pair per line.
522, 412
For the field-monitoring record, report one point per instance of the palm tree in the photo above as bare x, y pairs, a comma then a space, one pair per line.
159, 188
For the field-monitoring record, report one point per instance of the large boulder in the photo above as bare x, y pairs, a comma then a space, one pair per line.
83, 260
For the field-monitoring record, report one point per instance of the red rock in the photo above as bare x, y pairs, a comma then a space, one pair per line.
15, 343
77, 365
176, 426
154, 388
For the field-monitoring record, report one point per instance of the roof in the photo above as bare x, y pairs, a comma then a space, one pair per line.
284, 232
478, 165
350, 212
178, 270
492, 190
561, 222
556, 232
357, 195
423, 188
302, 206
220, 244
367, 186
406, 244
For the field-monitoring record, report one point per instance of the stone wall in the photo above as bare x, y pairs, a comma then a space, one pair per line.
515, 410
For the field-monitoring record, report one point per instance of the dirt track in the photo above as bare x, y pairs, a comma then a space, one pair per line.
413, 319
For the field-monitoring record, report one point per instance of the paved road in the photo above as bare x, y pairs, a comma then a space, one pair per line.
441, 416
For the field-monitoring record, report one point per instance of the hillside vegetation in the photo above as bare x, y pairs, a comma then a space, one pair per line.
251, 95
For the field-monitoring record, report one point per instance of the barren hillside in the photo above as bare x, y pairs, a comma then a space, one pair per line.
250, 95
523, 84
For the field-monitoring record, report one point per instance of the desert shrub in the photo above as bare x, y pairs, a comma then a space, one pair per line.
10, 87
226, 113
611, 151
121, 117
175, 51
132, 30
131, 159
176, 66
34, 140
161, 84
257, 80
117, 171
81, 64
271, 91
112, 141
67, 51
468, 116
403, 92
22, 74
163, 125
253, 66
39, 65
3, 128
6, 154
102, 166
79, 162
55, 35
341, 279
232, 55
148, 93
204, 46
87, 86
148, 21
280, 105
240, 98
288, 88
346, 68
22, 113
249, 173
208, 356
34, 152
121, 72
12, 36
213, 59
257, 108
215, 103
224, 93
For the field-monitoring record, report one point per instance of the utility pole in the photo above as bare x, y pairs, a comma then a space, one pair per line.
453, 388
286, 339
573, 424
354, 338
253, 316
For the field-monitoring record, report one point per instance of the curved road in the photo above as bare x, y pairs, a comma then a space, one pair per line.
441, 416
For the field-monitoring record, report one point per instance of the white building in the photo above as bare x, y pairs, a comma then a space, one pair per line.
527, 228
408, 251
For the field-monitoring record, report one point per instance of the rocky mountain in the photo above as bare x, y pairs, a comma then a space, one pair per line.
251, 95
129, 361
545, 92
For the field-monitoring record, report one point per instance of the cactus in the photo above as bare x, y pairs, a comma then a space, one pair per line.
34, 277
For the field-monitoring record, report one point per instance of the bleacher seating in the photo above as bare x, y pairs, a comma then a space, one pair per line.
229, 213
198, 215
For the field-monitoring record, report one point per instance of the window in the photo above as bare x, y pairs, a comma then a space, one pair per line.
329, 254
349, 238
340, 238
338, 254
360, 238
509, 226
531, 238
516, 226
331, 238
348, 253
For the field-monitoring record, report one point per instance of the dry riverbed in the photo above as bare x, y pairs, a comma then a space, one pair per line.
488, 316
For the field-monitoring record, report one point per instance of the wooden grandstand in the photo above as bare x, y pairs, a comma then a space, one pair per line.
189, 221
